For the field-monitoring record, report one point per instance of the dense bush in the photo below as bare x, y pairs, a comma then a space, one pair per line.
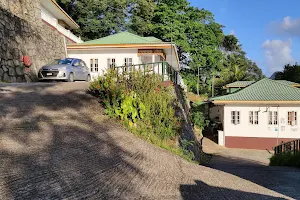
286, 159
144, 104
199, 116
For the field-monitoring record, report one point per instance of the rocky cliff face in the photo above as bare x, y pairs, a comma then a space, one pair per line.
22, 32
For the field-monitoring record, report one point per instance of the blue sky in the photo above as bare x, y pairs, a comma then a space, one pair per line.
269, 30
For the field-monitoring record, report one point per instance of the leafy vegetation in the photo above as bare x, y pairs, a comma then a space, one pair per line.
145, 105
286, 159
199, 116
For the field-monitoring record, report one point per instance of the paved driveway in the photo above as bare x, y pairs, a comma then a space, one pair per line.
55, 143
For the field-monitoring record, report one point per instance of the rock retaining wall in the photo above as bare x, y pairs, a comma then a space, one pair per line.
22, 32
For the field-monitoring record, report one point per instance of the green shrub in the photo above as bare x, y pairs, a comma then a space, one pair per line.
145, 106
286, 159
199, 116
131, 108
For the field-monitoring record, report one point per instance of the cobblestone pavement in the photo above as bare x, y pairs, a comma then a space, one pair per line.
55, 143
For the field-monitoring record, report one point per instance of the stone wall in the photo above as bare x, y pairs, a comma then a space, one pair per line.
22, 32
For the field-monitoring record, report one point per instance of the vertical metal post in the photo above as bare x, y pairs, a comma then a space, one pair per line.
163, 71
198, 82
213, 86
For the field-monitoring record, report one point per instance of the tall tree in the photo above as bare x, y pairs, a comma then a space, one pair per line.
141, 13
289, 73
97, 18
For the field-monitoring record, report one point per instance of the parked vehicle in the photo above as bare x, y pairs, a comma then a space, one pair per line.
67, 69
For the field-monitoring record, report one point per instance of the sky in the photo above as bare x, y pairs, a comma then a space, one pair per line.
269, 30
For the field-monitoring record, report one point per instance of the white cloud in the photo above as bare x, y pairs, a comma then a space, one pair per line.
277, 54
287, 26
232, 32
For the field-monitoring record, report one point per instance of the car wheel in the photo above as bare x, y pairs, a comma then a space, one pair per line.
88, 78
71, 78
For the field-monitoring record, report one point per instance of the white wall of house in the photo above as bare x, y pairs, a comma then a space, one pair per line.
103, 55
262, 129
48, 17
119, 54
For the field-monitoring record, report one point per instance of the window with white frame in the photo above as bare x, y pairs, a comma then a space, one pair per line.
251, 117
111, 63
91, 65
273, 118
128, 62
292, 118
235, 117
96, 65
255, 117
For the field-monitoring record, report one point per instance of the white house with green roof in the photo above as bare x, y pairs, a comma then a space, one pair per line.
126, 49
260, 116
235, 86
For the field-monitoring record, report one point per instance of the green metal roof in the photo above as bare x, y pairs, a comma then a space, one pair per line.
287, 82
239, 84
264, 90
124, 38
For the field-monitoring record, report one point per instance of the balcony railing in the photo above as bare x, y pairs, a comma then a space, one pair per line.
288, 147
53, 22
68, 34
162, 69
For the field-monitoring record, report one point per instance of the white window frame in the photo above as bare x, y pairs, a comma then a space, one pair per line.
91, 65
96, 65
273, 118
292, 118
256, 117
235, 117
270, 118
251, 117
128, 62
111, 63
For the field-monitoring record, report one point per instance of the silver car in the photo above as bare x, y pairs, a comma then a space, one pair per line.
67, 69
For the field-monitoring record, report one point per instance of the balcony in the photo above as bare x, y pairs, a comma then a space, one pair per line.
54, 23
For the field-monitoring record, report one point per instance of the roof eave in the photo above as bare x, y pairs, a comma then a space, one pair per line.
222, 102
73, 24
95, 46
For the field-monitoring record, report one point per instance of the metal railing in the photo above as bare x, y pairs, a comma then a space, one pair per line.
288, 147
162, 69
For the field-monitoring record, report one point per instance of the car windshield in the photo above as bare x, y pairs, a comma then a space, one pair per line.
66, 61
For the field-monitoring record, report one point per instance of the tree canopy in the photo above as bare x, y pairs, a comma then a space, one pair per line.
202, 45
289, 73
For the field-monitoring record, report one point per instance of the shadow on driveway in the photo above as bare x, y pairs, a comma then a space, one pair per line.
53, 147
201, 190
283, 180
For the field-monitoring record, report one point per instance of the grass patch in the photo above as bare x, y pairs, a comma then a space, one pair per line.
286, 159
